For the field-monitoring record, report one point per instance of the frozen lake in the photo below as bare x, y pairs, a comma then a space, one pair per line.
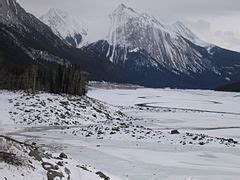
214, 113
208, 112
171, 157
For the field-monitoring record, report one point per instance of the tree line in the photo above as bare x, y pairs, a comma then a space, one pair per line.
58, 79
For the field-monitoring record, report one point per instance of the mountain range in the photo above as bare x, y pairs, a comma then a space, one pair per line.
137, 49
26, 40
159, 55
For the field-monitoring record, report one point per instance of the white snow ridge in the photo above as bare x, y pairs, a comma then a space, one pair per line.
64, 25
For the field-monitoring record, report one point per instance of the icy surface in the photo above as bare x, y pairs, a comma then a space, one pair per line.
135, 140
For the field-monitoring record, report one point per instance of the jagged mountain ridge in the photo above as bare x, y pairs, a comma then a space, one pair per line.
65, 27
159, 55
132, 30
24, 39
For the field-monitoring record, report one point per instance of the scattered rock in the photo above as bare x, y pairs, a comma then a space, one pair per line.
60, 163
195, 138
52, 175
63, 156
174, 132
103, 176
36, 154
10, 158
48, 166
84, 168
232, 141
201, 143
115, 129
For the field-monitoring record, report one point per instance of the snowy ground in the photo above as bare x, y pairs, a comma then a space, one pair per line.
216, 114
22, 161
128, 134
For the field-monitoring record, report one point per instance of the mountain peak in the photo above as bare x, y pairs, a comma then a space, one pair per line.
58, 12
121, 15
65, 26
122, 5
52, 11
123, 9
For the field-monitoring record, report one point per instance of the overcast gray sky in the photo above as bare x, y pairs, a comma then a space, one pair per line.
215, 21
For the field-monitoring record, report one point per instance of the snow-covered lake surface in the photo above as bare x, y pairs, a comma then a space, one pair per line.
145, 149
208, 112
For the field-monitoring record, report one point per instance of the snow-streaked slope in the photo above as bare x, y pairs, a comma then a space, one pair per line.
164, 43
7, 10
66, 27
22, 31
32, 41
180, 28
155, 54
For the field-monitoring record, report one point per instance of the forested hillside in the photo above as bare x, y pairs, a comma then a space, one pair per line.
52, 78
234, 87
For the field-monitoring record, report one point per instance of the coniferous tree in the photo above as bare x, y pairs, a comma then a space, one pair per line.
57, 79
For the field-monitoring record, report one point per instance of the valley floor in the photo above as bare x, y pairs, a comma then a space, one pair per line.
132, 134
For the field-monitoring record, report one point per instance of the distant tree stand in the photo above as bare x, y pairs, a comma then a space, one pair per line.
58, 79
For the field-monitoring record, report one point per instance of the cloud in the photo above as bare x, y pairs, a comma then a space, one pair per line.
201, 26
225, 38
165, 9
228, 39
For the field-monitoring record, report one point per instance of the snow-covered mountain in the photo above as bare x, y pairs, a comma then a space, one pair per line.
66, 27
24, 34
25, 40
164, 43
158, 54
139, 49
